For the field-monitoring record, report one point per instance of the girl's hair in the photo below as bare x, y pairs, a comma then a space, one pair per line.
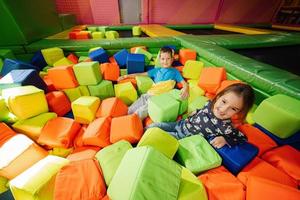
167, 50
243, 90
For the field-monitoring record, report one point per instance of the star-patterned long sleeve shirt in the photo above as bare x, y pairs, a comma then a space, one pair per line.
204, 122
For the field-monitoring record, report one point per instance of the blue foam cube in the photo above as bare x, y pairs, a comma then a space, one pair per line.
121, 58
10, 64
99, 55
21, 77
135, 63
38, 60
235, 158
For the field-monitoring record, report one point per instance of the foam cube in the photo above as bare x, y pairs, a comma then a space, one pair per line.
110, 71
58, 102
51, 55
197, 155
22, 77
10, 64
121, 58
144, 83
127, 127
192, 69
97, 132
5, 133
73, 93
145, 172
63, 62
59, 132
110, 157
194, 91
142, 50
135, 63
211, 78
38, 60
103, 90
84, 90
73, 58
98, 35
25, 101
190, 186
38, 181
112, 107
163, 108
136, 31
99, 55
32, 127
126, 92
63, 77
160, 140
133, 49
84, 109
111, 35
87, 73
4, 112
183, 103
279, 114
220, 176
187, 54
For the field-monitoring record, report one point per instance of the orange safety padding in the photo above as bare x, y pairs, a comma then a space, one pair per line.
49, 83
63, 77
127, 127
113, 107
226, 83
73, 58
257, 138
260, 168
83, 153
211, 78
29, 157
221, 184
285, 158
260, 188
132, 49
110, 71
187, 54
59, 132
132, 80
112, 60
80, 180
97, 132
58, 102
78, 138
5, 133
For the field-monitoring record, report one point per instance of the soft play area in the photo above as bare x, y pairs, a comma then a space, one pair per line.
65, 131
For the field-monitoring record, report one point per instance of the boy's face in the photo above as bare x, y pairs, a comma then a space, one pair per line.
166, 59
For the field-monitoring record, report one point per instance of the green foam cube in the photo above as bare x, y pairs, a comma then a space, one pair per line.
160, 140
110, 157
98, 35
4, 112
73, 93
191, 187
111, 35
192, 69
126, 92
197, 155
123, 72
279, 114
103, 90
51, 55
198, 103
136, 31
145, 173
87, 73
163, 108
194, 90
84, 90
144, 83
249, 117
183, 103
84, 109
63, 62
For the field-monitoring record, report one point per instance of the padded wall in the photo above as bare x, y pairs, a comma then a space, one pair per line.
105, 11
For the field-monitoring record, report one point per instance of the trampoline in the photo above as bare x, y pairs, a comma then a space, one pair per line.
283, 57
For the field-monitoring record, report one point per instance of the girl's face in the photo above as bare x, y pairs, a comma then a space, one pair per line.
227, 105
165, 59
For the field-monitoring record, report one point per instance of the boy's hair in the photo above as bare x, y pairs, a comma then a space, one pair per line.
243, 90
167, 50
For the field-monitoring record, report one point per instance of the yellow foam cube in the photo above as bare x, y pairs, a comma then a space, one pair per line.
85, 108
51, 55
73, 93
126, 92
25, 101
63, 62
192, 69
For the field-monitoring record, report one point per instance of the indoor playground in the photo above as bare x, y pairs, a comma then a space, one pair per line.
70, 70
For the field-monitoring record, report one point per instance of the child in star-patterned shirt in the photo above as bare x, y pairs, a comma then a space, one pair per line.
213, 121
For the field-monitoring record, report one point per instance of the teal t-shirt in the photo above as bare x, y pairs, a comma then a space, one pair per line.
164, 74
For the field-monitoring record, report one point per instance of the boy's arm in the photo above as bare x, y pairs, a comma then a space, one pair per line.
185, 90
132, 75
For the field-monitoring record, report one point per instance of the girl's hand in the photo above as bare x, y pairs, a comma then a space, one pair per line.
218, 142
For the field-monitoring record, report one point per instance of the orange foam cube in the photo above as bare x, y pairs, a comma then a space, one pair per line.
187, 54
5, 133
110, 71
211, 78
113, 107
58, 102
63, 77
